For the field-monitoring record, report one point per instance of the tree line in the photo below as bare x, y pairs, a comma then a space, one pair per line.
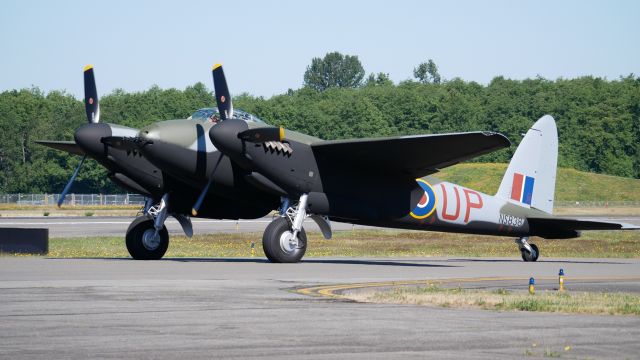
598, 119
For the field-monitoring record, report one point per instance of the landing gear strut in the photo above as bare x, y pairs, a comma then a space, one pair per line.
529, 251
284, 240
147, 237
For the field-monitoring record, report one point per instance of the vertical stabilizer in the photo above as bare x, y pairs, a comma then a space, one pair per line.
530, 179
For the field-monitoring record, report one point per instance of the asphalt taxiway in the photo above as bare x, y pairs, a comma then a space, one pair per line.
117, 226
249, 308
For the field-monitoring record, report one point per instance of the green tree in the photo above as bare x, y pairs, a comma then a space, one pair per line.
334, 70
378, 79
427, 72
598, 120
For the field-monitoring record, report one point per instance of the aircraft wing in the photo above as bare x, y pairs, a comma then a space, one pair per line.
67, 146
414, 156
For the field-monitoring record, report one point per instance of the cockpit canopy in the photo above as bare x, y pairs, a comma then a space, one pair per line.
212, 114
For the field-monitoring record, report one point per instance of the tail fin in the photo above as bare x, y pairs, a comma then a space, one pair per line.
530, 179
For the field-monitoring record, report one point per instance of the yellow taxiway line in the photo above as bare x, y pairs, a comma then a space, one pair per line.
331, 290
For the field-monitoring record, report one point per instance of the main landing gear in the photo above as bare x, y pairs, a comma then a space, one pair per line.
147, 237
284, 240
529, 251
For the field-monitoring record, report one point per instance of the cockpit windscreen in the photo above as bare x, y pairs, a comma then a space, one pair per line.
213, 115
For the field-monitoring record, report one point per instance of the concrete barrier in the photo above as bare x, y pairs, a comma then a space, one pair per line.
24, 241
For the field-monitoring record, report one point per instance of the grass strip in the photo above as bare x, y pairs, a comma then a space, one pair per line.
367, 243
598, 303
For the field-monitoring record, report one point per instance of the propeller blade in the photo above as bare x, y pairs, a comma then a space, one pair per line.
223, 98
91, 105
196, 206
262, 135
73, 178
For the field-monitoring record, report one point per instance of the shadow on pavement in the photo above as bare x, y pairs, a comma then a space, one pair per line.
409, 263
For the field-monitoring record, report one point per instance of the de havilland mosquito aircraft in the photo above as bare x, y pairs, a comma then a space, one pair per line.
221, 163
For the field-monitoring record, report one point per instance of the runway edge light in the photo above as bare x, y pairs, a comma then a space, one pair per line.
532, 287
561, 280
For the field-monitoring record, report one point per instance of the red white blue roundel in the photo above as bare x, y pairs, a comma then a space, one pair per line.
427, 204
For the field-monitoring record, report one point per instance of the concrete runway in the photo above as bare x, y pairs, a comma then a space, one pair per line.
117, 226
246, 308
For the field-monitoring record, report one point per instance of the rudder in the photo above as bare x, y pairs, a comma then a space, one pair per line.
530, 179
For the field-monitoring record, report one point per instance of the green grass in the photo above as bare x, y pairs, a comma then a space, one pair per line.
367, 243
601, 303
571, 184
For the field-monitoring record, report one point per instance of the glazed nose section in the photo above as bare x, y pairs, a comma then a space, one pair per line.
89, 138
225, 137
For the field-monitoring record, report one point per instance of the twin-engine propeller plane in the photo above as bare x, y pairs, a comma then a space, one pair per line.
221, 163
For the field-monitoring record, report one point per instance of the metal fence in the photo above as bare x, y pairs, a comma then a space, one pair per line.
72, 199
596, 204
136, 199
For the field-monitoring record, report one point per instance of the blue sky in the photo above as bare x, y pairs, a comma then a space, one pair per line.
266, 46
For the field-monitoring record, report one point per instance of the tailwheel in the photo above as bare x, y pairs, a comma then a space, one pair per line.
281, 244
530, 255
144, 242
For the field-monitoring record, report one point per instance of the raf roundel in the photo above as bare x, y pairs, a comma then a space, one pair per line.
427, 204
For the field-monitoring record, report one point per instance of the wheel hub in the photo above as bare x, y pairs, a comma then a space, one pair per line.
150, 239
288, 243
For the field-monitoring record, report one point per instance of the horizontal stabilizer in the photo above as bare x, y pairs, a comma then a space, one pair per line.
413, 156
66, 146
553, 227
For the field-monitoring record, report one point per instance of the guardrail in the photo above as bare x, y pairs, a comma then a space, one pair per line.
73, 199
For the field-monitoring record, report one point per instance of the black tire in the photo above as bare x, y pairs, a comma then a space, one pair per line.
527, 256
271, 242
136, 245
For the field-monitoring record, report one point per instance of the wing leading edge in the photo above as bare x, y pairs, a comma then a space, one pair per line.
66, 146
413, 156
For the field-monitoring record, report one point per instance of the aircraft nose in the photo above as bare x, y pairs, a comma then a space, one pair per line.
151, 133
170, 145
89, 136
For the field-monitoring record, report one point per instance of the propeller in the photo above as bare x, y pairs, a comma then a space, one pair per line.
225, 108
73, 178
91, 104
223, 98
223, 134
196, 206
92, 109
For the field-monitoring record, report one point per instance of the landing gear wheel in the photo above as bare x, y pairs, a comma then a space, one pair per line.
530, 256
142, 242
279, 245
